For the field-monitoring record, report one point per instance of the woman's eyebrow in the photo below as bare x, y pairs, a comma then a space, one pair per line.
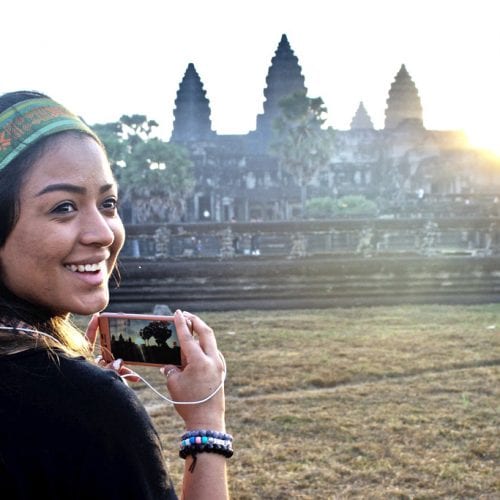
106, 187
71, 188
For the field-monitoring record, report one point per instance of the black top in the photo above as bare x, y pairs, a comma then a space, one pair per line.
71, 430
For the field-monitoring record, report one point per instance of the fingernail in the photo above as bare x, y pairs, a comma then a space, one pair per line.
117, 364
162, 370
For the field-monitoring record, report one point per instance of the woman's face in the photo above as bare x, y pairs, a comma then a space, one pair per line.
64, 246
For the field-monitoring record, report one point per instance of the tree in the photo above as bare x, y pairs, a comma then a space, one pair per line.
111, 136
157, 181
299, 142
155, 177
159, 330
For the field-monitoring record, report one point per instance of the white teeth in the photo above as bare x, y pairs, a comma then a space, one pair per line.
82, 268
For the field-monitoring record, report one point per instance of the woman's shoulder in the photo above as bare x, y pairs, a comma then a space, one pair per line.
40, 364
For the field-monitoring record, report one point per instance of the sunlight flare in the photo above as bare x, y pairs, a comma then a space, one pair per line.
486, 137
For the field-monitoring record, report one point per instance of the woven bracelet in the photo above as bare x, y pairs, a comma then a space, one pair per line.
205, 441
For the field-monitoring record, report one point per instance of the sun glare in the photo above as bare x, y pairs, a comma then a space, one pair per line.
486, 138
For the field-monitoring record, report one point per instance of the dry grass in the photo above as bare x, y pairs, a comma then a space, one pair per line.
389, 402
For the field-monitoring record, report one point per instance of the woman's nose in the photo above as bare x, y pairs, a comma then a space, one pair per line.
97, 230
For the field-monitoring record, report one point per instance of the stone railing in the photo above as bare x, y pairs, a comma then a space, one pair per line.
366, 237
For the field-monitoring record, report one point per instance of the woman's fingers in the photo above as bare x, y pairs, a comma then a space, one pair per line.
118, 367
128, 374
170, 372
205, 334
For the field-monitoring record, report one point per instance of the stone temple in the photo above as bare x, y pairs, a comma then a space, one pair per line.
238, 180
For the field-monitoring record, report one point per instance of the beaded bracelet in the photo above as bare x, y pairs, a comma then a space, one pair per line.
205, 441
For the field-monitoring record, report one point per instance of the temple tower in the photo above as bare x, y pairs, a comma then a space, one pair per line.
361, 119
192, 110
403, 104
283, 79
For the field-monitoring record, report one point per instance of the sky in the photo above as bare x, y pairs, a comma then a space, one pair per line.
106, 58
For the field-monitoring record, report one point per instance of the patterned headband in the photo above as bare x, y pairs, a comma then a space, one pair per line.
26, 122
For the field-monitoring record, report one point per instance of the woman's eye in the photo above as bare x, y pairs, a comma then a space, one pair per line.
110, 204
64, 208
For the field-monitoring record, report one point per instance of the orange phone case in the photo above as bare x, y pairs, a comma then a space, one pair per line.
121, 336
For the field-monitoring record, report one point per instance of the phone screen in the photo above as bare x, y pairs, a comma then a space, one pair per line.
146, 340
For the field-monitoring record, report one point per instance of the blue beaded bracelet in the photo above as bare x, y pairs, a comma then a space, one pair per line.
205, 441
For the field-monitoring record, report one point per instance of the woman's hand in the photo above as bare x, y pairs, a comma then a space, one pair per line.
199, 376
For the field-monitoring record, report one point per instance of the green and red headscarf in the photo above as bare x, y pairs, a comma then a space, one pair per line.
28, 121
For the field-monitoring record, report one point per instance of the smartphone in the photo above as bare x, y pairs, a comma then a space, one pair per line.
139, 339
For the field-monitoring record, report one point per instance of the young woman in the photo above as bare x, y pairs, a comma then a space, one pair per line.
68, 427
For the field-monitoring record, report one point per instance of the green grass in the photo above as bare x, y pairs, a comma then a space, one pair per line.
388, 402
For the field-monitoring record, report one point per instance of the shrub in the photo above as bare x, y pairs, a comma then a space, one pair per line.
325, 207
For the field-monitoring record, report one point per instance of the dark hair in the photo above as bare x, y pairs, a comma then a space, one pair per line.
12, 175
13, 309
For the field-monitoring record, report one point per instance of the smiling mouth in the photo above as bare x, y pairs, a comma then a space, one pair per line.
84, 268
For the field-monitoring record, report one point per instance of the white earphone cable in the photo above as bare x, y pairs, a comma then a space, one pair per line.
204, 400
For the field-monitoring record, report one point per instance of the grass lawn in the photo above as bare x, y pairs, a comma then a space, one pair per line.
386, 402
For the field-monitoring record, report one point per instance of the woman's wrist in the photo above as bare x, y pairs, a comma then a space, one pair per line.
218, 425
204, 416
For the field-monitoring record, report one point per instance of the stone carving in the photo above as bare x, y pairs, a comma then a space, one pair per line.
162, 310
162, 242
227, 250
299, 245
427, 238
366, 245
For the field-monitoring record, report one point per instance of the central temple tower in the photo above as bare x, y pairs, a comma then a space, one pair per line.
283, 79
403, 104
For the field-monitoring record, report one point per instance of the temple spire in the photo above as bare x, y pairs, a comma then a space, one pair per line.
361, 119
192, 110
403, 104
283, 79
